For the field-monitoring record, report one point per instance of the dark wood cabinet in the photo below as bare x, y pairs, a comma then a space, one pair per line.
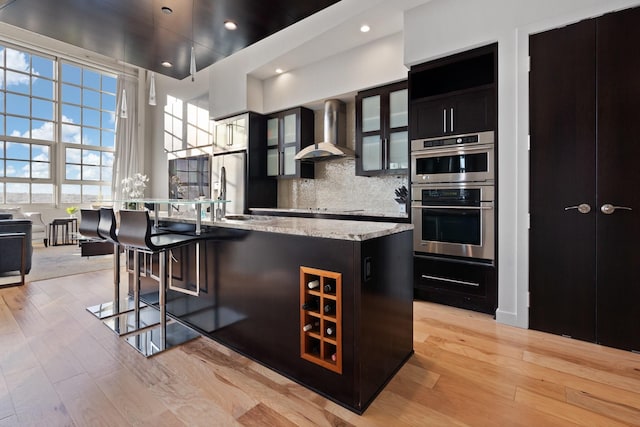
287, 133
472, 111
252, 304
382, 137
456, 282
583, 101
454, 95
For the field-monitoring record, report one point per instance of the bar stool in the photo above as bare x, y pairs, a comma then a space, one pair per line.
89, 219
103, 221
127, 315
136, 233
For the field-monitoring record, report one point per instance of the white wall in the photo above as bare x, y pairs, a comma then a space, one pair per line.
435, 30
229, 92
371, 65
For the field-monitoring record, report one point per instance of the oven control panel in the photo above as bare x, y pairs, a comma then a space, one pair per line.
471, 138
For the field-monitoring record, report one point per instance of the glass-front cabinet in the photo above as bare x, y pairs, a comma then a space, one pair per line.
382, 137
231, 134
273, 151
287, 133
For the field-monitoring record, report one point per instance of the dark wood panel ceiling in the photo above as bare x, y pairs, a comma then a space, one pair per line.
140, 32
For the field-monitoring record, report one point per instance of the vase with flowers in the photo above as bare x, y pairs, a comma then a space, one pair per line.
133, 188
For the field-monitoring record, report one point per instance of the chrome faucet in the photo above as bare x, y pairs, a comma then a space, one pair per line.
222, 195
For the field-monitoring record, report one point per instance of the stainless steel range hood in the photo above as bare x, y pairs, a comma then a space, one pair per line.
335, 135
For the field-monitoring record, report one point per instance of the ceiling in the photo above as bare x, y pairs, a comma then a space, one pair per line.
138, 32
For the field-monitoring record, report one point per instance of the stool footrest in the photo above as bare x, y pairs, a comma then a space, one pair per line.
149, 342
108, 309
126, 323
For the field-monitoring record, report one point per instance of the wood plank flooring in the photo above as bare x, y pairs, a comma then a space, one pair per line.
59, 366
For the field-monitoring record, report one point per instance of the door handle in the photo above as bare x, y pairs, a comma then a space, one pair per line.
451, 119
444, 120
608, 209
583, 208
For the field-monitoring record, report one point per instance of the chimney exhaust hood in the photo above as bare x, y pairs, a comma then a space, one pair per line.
335, 135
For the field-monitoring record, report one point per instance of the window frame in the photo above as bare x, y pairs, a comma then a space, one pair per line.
57, 164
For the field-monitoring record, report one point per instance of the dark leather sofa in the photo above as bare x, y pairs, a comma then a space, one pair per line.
11, 249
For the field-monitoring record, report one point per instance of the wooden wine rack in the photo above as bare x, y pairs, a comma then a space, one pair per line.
316, 344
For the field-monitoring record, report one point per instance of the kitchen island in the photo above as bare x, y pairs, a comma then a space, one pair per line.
327, 303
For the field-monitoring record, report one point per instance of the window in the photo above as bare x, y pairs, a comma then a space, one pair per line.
88, 126
173, 133
49, 106
194, 131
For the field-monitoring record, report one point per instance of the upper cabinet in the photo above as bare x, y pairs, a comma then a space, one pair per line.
454, 95
287, 133
382, 120
231, 134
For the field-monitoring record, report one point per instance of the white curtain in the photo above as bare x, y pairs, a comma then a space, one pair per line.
125, 162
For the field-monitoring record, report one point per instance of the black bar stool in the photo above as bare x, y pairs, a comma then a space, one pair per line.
136, 233
122, 316
89, 224
88, 228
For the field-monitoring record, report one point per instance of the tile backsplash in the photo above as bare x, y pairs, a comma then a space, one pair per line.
336, 185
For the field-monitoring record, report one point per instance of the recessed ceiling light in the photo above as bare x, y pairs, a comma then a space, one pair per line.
279, 70
167, 10
167, 64
365, 28
230, 25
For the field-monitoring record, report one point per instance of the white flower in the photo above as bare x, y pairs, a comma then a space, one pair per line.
133, 187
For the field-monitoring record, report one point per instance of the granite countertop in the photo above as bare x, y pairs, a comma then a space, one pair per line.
312, 227
327, 211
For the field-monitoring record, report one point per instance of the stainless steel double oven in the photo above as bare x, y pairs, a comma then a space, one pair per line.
453, 195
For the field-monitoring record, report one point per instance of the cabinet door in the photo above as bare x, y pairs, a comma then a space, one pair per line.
562, 242
618, 233
428, 118
232, 134
454, 282
238, 133
471, 112
290, 143
273, 153
382, 130
221, 139
372, 133
398, 141
293, 130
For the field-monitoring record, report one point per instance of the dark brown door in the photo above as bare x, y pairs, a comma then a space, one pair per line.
618, 234
562, 175
585, 148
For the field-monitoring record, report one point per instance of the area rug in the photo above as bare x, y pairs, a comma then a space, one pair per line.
59, 261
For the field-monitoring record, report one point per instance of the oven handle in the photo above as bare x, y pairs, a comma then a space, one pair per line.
452, 207
450, 150
444, 279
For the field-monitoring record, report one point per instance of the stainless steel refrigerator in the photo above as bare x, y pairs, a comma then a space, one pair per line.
233, 168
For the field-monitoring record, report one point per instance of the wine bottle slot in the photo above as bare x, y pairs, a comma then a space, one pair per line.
310, 305
330, 331
314, 284
329, 288
329, 308
310, 326
334, 357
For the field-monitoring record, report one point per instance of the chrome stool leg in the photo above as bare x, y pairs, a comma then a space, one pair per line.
118, 305
139, 316
169, 333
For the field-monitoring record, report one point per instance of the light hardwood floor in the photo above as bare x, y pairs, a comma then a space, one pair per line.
60, 366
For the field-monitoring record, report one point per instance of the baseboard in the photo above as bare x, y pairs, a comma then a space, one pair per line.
510, 318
